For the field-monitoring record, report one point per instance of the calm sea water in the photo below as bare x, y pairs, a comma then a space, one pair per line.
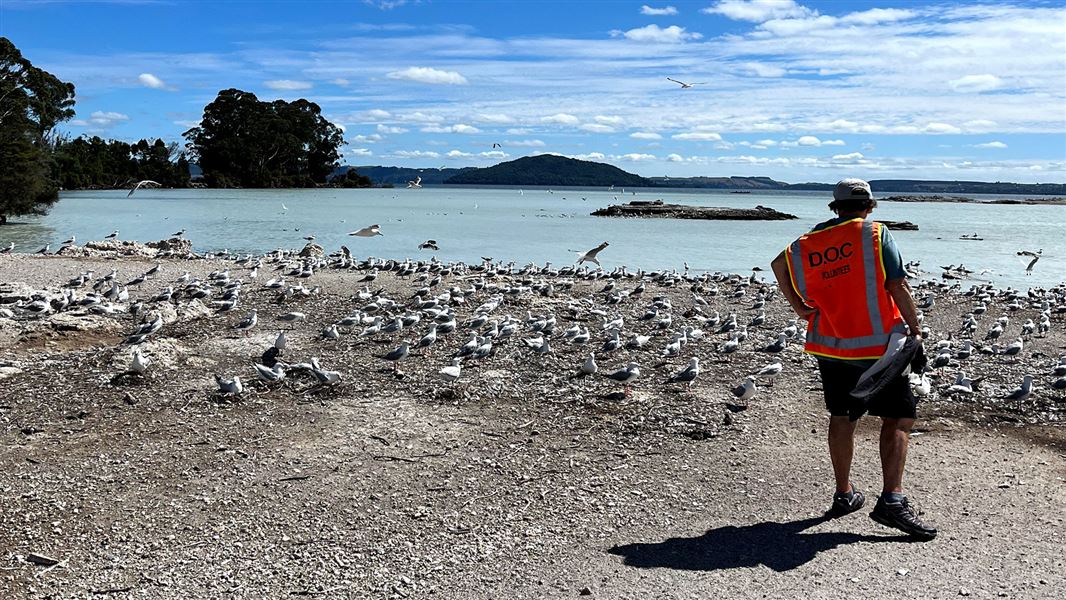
538, 225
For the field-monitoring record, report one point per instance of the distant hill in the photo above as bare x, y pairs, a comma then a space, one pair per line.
401, 175
911, 186
721, 183
549, 169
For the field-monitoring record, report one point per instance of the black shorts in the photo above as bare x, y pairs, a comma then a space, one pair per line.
839, 377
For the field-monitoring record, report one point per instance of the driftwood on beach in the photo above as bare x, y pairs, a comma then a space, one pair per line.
658, 208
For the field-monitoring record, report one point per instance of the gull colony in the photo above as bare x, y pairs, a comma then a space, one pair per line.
614, 333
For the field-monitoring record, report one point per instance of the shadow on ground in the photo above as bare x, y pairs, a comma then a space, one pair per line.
779, 546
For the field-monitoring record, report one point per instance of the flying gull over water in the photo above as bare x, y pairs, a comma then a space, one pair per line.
370, 231
417, 183
140, 184
590, 256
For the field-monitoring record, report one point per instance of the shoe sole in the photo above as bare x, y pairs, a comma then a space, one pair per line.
921, 535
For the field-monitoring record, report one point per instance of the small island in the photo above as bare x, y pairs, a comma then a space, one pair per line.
965, 200
657, 208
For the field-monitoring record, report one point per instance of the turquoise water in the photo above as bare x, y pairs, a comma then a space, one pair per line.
536, 225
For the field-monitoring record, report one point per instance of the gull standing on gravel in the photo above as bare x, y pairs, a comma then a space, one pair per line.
398, 354
589, 367
770, 371
1023, 391
625, 376
140, 362
292, 317
452, 371
746, 391
248, 321
231, 387
688, 374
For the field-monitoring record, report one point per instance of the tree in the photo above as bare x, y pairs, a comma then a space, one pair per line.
32, 103
245, 142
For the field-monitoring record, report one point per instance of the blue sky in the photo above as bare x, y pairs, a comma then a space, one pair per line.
797, 91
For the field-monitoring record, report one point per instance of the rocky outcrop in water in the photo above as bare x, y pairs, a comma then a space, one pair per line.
660, 209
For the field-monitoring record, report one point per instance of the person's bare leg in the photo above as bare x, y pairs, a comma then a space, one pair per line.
841, 450
895, 434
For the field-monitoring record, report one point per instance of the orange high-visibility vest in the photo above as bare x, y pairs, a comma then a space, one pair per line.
839, 270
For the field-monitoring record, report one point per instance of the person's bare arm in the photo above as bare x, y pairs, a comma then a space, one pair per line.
900, 291
784, 283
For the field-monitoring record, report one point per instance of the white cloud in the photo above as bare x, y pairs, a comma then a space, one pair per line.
612, 120
457, 154
421, 117
373, 138
759, 10
493, 154
635, 157
997, 145
590, 156
674, 157
561, 119
360, 152
413, 154
340, 81
151, 81
876, 16
596, 128
523, 143
811, 142
497, 118
698, 136
107, 119
849, 156
941, 128
653, 34
645, 135
457, 128
287, 85
666, 11
187, 124
377, 113
976, 83
382, 128
519, 131
762, 69
428, 75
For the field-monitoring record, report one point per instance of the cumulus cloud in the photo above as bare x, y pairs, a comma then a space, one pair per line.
635, 157
976, 83
382, 128
758, 10
674, 157
377, 113
360, 152
493, 154
524, 143
596, 128
997, 145
457, 154
373, 138
849, 156
561, 119
875, 16
107, 119
413, 154
653, 34
811, 141
762, 69
428, 75
941, 128
421, 117
698, 136
496, 118
590, 156
666, 11
457, 128
287, 85
645, 135
612, 120
151, 81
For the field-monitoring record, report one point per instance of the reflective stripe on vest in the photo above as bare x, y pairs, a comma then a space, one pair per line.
866, 338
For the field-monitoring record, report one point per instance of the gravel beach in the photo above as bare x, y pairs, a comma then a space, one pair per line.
520, 479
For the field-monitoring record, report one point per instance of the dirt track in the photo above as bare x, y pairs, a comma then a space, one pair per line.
534, 489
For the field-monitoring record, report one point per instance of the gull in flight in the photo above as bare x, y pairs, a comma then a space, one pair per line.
590, 256
140, 184
368, 231
429, 245
417, 183
684, 85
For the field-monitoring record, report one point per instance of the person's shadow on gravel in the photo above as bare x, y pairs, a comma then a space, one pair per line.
779, 546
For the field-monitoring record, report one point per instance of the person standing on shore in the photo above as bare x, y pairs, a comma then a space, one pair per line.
846, 278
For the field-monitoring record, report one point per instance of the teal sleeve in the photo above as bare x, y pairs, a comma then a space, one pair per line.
890, 255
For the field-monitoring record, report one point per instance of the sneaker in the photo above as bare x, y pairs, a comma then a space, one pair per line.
845, 503
900, 515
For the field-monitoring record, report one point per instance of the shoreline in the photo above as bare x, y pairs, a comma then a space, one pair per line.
519, 479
